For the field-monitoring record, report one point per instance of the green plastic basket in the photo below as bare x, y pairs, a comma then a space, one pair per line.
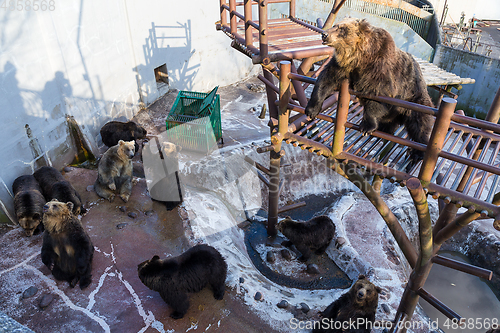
194, 122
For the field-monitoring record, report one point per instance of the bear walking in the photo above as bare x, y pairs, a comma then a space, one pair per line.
55, 186
369, 58
28, 204
190, 272
315, 234
67, 249
114, 131
357, 306
115, 171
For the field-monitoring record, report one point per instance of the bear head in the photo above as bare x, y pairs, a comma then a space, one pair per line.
55, 214
136, 131
29, 221
149, 270
287, 222
126, 149
364, 294
170, 149
349, 38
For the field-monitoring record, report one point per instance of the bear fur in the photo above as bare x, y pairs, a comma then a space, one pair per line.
360, 301
54, 186
369, 58
28, 204
115, 171
315, 234
190, 272
114, 131
67, 249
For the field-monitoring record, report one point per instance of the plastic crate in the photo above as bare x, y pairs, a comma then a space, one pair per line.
194, 122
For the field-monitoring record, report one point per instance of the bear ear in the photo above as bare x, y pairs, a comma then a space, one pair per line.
121, 142
36, 216
69, 204
55, 200
155, 258
361, 277
179, 148
378, 289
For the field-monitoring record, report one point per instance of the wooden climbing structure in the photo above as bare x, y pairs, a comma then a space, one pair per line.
460, 166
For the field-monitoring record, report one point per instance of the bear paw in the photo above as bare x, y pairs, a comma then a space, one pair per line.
176, 315
111, 198
125, 197
312, 112
366, 128
112, 186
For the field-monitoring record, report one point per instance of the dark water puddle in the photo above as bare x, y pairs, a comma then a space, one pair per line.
469, 296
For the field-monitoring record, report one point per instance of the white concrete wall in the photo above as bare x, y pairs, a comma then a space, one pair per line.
95, 60
482, 9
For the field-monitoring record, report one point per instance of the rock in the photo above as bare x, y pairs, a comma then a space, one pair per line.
90, 188
122, 209
339, 242
270, 257
121, 225
282, 305
68, 169
45, 301
242, 280
287, 293
258, 296
149, 212
386, 308
312, 269
286, 254
132, 215
304, 307
31, 291
244, 224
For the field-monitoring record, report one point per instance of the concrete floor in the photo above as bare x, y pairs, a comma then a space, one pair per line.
124, 234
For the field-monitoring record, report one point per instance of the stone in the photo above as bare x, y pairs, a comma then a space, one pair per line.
132, 215
339, 242
45, 301
90, 188
283, 304
270, 257
149, 212
286, 254
121, 225
304, 307
386, 308
258, 296
68, 169
312, 269
242, 280
122, 209
31, 291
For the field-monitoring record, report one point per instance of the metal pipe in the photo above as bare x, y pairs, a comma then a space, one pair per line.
333, 14
299, 90
223, 15
263, 31
341, 119
292, 9
292, 206
232, 17
443, 308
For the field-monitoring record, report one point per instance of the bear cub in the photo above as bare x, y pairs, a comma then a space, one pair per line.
66, 249
55, 186
369, 58
190, 272
114, 131
28, 204
358, 305
114, 171
315, 234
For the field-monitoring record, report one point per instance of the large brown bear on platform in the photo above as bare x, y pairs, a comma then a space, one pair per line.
369, 58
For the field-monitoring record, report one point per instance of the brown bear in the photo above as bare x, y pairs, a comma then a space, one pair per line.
55, 186
67, 249
494, 330
353, 312
28, 204
315, 234
190, 272
369, 58
114, 131
115, 171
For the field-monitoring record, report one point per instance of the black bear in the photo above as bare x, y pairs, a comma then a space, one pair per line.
28, 204
54, 186
114, 131
67, 249
190, 272
315, 234
353, 312
369, 58
114, 172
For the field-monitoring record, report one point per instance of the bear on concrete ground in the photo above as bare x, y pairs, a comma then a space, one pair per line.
28, 204
115, 171
67, 249
190, 272
114, 131
369, 58
354, 310
54, 186
315, 234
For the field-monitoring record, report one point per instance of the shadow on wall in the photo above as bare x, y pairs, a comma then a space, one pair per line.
168, 49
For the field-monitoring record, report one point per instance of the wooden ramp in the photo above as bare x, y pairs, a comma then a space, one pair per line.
460, 168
